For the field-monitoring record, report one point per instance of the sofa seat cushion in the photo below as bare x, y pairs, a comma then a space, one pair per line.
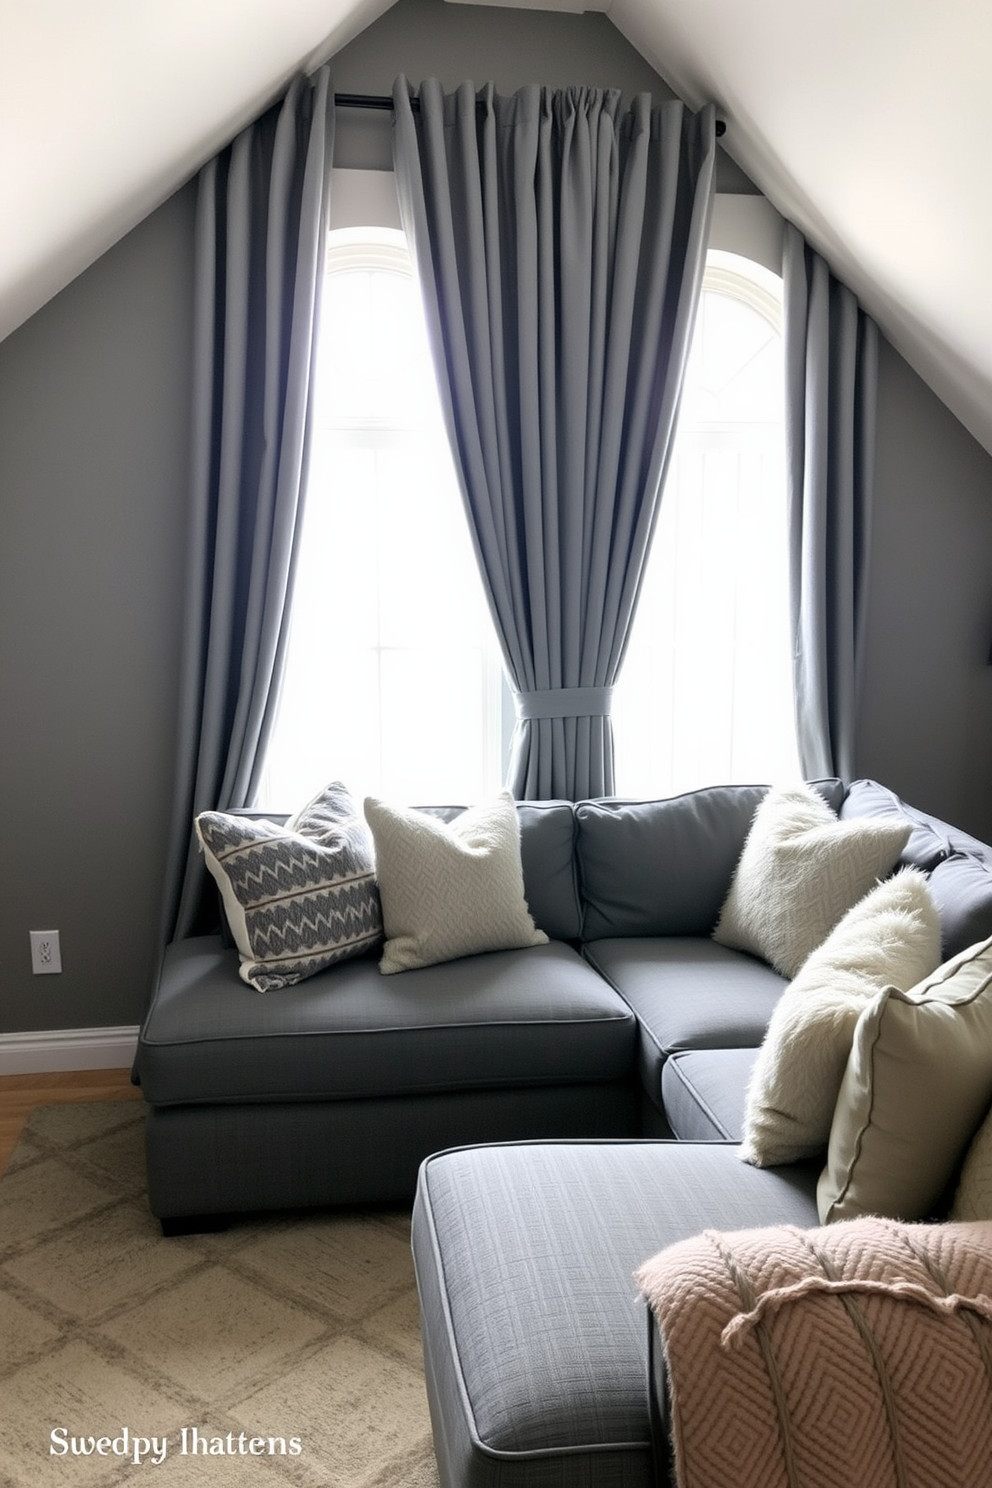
535, 1343
704, 1093
536, 1016
688, 993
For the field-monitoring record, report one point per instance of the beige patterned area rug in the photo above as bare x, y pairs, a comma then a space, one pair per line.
284, 1351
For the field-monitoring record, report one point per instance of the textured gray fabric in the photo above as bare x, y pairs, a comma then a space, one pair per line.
962, 890
831, 359
660, 867
519, 210
511, 1018
959, 866
547, 856
534, 1338
664, 867
704, 1092
261, 220
953, 839
565, 702
927, 845
688, 993
232, 1159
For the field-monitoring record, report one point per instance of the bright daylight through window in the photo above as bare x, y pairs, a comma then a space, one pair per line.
705, 694
393, 682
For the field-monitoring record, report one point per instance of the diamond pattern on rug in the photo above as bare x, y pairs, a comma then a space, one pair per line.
348, 1268
300, 1334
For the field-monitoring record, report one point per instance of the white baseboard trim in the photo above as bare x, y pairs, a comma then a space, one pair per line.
67, 1049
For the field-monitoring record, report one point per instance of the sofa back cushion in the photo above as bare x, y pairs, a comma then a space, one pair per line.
962, 890
959, 865
928, 842
664, 867
547, 855
547, 851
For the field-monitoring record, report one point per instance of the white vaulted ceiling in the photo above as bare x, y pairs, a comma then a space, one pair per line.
864, 121
867, 123
106, 106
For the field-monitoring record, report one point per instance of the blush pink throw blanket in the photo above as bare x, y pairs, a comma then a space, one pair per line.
854, 1356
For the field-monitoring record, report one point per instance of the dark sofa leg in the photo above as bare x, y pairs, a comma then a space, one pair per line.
194, 1224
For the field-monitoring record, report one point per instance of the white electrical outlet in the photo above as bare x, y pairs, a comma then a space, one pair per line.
46, 957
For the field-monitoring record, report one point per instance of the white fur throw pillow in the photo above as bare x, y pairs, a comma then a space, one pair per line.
890, 938
800, 870
449, 889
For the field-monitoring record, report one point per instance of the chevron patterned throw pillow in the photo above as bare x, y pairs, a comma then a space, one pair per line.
298, 898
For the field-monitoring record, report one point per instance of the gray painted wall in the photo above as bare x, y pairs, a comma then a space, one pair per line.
93, 449
926, 714
94, 394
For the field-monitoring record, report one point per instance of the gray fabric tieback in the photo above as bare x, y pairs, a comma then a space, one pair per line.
565, 702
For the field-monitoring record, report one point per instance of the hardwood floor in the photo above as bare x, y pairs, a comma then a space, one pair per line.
19, 1094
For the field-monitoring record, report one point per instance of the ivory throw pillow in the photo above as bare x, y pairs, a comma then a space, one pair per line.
449, 889
891, 937
800, 870
298, 898
973, 1196
917, 1083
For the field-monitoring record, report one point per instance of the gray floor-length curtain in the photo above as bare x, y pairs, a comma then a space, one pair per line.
260, 235
831, 353
561, 245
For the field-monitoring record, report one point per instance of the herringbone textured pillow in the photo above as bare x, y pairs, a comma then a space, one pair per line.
450, 889
838, 1358
802, 869
298, 898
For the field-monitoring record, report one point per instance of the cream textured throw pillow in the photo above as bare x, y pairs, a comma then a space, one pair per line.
973, 1197
800, 870
891, 937
449, 889
917, 1084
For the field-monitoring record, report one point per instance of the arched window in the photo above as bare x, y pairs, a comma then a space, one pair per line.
393, 681
705, 694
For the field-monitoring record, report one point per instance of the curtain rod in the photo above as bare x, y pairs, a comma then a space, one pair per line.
383, 102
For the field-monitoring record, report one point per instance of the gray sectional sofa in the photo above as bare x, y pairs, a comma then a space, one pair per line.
591, 1090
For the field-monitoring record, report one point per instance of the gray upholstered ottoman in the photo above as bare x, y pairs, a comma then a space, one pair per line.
535, 1343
